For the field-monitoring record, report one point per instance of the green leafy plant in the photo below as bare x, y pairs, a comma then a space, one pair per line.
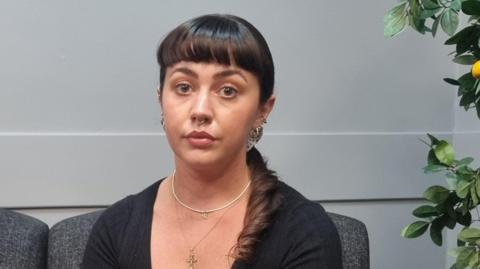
426, 16
453, 205
449, 206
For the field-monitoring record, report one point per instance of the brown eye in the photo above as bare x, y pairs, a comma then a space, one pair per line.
183, 88
228, 92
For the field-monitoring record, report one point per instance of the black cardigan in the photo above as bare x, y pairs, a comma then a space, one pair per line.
301, 236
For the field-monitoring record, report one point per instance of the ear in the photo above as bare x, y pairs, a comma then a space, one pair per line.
159, 96
264, 110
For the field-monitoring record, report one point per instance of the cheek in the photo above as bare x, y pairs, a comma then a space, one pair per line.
239, 123
173, 122
171, 109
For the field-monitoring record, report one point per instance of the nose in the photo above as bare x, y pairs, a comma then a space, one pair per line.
201, 109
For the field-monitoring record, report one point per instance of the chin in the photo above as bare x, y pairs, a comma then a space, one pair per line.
199, 158
200, 164
202, 159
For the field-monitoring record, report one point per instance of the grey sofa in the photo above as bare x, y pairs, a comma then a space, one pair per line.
67, 240
23, 241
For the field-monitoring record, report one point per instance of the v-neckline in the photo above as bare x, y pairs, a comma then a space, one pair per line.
149, 220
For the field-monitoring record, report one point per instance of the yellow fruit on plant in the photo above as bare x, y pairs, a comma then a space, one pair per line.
476, 70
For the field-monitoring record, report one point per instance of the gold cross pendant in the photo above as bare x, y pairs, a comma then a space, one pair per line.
191, 261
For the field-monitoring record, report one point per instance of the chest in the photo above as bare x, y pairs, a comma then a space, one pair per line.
193, 243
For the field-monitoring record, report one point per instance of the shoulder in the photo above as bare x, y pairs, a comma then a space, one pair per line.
299, 211
129, 210
311, 235
122, 210
114, 229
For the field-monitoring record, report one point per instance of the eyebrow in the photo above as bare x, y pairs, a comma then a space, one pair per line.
221, 74
229, 72
185, 71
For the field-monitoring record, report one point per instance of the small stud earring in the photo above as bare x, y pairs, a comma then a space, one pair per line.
162, 121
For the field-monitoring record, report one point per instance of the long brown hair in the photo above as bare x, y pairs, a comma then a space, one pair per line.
230, 40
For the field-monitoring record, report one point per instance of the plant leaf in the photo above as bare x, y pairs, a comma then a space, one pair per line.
436, 194
473, 194
444, 152
431, 158
433, 139
427, 13
477, 106
464, 256
429, 4
454, 252
452, 180
463, 188
450, 223
467, 99
462, 33
449, 21
425, 211
395, 20
435, 25
436, 232
451, 81
467, 80
471, 7
415, 229
477, 186
464, 218
464, 162
417, 24
415, 8
433, 168
456, 5
469, 235
473, 263
465, 42
465, 59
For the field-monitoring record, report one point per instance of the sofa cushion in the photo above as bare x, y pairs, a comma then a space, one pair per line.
23, 241
68, 239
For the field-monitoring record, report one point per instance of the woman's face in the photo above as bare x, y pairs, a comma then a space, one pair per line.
209, 109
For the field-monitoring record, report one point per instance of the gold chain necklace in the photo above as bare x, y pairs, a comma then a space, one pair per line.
192, 259
204, 213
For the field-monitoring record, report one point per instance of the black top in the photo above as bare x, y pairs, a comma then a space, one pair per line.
301, 236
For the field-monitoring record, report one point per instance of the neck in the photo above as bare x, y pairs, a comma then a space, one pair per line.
210, 188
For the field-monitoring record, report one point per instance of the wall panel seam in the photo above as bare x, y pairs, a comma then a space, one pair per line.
331, 201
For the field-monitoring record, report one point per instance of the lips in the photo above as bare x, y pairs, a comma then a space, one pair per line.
200, 135
200, 139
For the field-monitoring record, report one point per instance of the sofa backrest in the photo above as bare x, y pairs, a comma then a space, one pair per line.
354, 239
68, 239
23, 241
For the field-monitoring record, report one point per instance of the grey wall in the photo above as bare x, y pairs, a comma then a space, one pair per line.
79, 121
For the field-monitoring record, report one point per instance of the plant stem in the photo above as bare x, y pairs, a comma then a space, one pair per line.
442, 4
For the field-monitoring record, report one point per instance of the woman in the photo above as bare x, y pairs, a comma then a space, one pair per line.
221, 207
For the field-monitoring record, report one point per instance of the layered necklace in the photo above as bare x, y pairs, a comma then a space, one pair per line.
204, 213
192, 258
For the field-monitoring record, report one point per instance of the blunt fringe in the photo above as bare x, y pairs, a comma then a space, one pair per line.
223, 39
